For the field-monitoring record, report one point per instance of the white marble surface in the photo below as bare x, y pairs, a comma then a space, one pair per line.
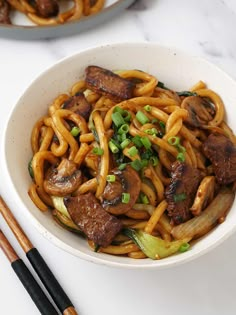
205, 286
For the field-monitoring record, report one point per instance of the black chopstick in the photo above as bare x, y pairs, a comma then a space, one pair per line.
53, 287
36, 293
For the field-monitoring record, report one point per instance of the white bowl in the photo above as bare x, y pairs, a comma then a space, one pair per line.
177, 69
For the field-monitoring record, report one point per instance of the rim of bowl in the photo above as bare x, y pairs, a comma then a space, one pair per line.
150, 264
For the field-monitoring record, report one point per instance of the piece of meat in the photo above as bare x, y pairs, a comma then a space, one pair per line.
47, 8
106, 82
127, 181
79, 105
5, 12
87, 212
199, 109
181, 191
222, 153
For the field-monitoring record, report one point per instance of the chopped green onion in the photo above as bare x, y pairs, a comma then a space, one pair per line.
154, 160
137, 141
123, 129
75, 131
181, 148
144, 163
30, 168
147, 154
126, 115
98, 151
117, 119
144, 199
174, 141
111, 178
184, 247
132, 151
136, 165
152, 131
146, 142
181, 157
125, 143
154, 121
113, 147
122, 166
125, 198
179, 197
147, 108
143, 119
117, 109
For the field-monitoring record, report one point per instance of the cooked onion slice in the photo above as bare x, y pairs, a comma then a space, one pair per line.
203, 223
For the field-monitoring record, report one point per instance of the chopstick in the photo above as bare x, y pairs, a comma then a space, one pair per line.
31, 285
53, 287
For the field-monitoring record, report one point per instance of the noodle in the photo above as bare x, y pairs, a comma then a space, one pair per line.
80, 9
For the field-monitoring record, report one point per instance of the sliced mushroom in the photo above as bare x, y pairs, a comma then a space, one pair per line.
199, 109
63, 180
79, 104
87, 213
127, 181
204, 195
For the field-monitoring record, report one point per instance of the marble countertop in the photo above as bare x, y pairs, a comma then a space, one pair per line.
205, 286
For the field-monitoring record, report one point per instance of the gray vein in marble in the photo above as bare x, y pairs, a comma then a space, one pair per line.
210, 49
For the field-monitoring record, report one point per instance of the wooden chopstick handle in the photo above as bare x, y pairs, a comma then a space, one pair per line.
40, 299
48, 279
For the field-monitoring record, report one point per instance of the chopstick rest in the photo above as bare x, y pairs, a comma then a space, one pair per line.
43, 271
26, 278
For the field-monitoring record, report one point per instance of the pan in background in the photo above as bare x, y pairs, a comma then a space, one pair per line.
22, 31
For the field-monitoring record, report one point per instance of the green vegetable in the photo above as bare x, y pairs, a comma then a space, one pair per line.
151, 246
123, 129
181, 157
122, 166
147, 108
125, 198
152, 131
133, 151
113, 147
75, 131
146, 143
162, 125
154, 160
144, 199
58, 203
136, 165
111, 178
30, 169
143, 119
117, 119
187, 93
137, 141
161, 85
184, 247
179, 197
125, 143
126, 115
174, 141
98, 151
